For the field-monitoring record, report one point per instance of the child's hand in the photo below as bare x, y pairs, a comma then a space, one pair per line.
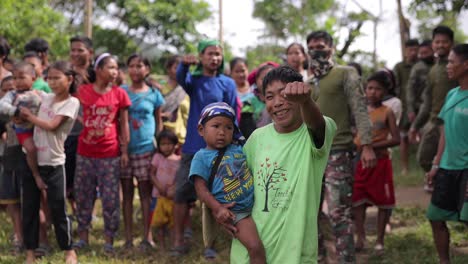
170, 191
40, 183
297, 92
222, 215
124, 160
25, 112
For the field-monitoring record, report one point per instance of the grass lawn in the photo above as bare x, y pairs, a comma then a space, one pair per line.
409, 242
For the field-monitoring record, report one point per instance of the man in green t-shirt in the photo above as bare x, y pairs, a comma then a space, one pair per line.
287, 159
340, 96
449, 200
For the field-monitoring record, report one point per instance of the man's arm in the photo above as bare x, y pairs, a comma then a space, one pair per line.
6, 105
299, 92
353, 91
396, 73
414, 80
183, 71
436, 161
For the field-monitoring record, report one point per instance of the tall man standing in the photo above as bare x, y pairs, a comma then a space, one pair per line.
402, 73
438, 85
340, 98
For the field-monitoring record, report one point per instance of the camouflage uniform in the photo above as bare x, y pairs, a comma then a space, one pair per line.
340, 96
416, 84
434, 94
402, 73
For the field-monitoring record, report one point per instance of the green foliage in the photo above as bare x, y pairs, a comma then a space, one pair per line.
262, 53
23, 20
166, 25
113, 41
290, 18
431, 13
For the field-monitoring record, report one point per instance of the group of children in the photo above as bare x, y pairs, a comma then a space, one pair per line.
273, 106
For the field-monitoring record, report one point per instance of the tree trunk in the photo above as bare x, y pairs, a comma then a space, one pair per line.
265, 208
404, 28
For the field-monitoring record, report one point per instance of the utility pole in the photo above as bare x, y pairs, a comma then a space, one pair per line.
88, 21
220, 22
404, 28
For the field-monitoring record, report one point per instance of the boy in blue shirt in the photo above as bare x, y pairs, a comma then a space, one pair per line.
205, 85
221, 176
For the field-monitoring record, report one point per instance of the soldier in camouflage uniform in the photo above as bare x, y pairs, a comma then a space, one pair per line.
417, 79
402, 73
339, 94
436, 89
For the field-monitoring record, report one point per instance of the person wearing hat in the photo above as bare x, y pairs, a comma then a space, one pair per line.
223, 181
205, 85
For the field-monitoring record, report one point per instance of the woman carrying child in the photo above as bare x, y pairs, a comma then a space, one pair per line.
52, 124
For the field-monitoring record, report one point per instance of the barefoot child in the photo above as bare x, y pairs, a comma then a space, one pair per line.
52, 124
163, 169
374, 186
24, 75
228, 181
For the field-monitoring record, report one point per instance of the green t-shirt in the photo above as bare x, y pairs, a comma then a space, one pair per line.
455, 116
41, 85
288, 171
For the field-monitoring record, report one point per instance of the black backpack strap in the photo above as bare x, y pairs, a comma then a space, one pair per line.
214, 170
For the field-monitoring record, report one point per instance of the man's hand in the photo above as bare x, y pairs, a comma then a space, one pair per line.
297, 92
190, 60
25, 113
227, 225
368, 158
411, 116
430, 176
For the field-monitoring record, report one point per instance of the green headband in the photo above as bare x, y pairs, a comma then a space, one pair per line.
202, 45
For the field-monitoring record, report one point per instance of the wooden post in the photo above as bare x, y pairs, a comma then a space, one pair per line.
404, 28
88, 21
221, 22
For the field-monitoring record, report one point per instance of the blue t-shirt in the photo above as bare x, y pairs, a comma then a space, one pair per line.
203, 90
233, 182
455, 116
141, 119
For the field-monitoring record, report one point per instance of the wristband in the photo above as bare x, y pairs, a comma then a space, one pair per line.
434, 166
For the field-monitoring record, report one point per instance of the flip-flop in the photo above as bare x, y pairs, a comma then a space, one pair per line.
179, 251
81, 244
210, 254
109, 249
42, 250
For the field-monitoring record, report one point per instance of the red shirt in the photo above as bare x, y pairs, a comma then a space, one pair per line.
99, 137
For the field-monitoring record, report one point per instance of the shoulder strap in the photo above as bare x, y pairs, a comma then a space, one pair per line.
214, 170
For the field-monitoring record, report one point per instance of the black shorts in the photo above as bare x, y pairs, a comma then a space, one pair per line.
185, 190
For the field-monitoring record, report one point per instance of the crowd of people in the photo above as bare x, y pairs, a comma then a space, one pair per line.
274, 155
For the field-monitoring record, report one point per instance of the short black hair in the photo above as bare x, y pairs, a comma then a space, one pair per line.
412, 43
284, 74
461, 50
321, 34
171, 61
426, 43
4, 47
168, 134
85, 40
31, 54
37, 45
236, 60
383, 78
26, 68
443, 30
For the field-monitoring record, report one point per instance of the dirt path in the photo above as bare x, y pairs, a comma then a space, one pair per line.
412, 196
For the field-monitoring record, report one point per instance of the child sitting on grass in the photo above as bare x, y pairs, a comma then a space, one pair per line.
221, 176
163, 170
374, 186
24, 75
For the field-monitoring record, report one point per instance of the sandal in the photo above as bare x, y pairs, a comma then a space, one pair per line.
16, 248
109, 249
188, 233
179, 251
42, 250
81, 244
145, 245
128, 245
210, 254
